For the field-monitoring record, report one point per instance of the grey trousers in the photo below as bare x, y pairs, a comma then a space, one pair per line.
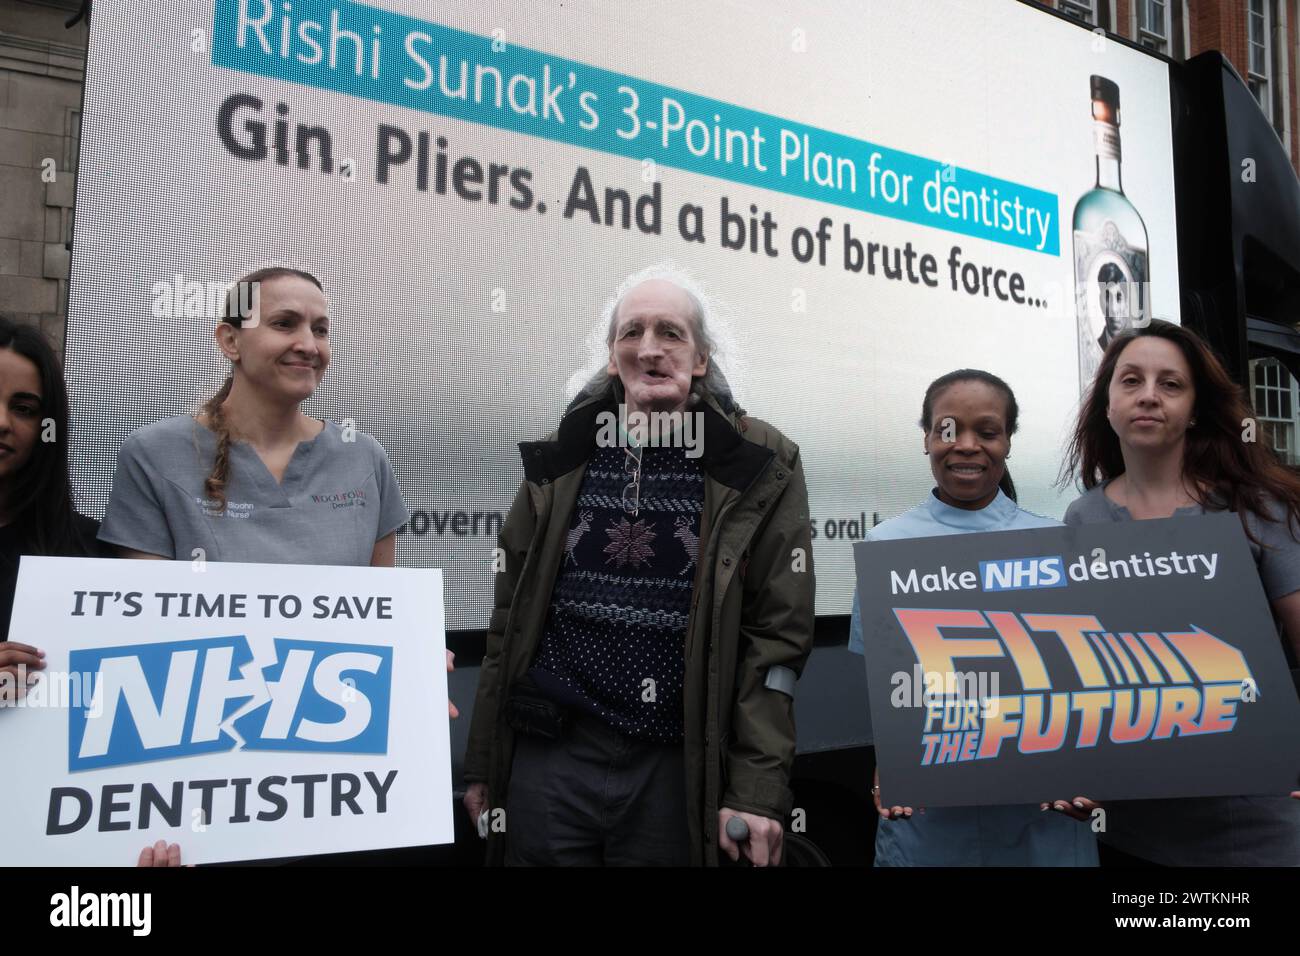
596, 797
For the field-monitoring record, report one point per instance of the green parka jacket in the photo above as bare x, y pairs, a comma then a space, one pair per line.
751, 609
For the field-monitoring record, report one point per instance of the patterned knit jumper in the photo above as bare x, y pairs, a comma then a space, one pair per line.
614, 641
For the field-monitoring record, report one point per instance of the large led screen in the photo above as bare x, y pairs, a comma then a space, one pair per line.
872, 193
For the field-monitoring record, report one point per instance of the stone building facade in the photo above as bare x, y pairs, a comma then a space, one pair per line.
41, 78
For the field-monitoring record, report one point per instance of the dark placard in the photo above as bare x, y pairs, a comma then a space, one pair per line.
1121, 661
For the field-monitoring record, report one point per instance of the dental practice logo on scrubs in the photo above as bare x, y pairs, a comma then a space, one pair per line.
342, 499
181, 699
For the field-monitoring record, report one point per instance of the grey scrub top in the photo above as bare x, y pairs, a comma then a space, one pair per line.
1209, 831
336, 500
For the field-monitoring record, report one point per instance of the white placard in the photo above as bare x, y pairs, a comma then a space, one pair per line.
244, 711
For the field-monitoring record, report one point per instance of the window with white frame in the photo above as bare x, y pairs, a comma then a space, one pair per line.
1153, 24
1260, 54
1085, 10
1274, 391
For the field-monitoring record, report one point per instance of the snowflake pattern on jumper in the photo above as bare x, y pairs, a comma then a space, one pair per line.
629, 543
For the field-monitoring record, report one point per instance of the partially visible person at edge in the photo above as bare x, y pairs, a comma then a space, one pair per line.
967, 420
1159, 435
253, 453
654, 613
37, 516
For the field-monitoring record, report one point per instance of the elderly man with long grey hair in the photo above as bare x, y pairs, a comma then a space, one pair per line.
653, 615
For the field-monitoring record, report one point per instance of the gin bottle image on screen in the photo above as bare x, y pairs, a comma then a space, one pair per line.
1111, 280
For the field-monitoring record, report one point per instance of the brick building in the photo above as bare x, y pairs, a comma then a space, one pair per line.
1261, 38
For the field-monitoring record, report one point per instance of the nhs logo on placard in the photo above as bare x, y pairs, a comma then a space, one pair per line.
1017, 574
159, 701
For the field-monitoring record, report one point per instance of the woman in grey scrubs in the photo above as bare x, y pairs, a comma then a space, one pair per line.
1160, 435
252, 478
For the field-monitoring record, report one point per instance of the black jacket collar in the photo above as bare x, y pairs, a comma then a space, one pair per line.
726, 455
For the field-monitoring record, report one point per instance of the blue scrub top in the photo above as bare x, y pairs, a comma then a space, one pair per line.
974, 836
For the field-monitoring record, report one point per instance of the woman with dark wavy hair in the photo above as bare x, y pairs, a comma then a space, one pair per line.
1159, 435
36, 511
